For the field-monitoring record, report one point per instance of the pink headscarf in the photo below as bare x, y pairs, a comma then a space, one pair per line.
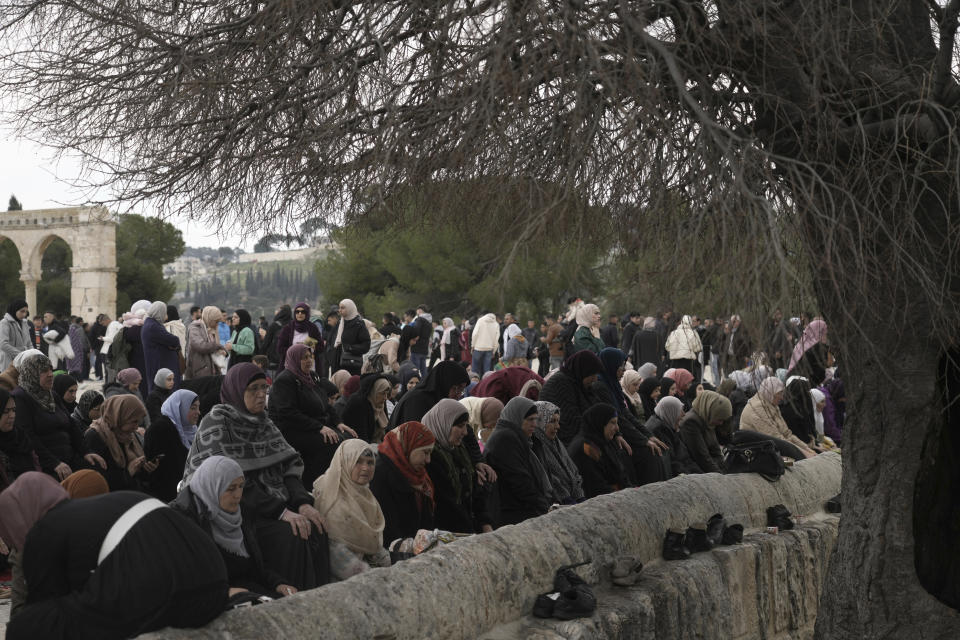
815, 332
682, 377
24, 502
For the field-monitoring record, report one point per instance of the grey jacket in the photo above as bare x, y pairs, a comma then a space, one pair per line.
14, 339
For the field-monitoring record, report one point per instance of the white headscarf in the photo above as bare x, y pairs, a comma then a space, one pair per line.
157, 311
818, 396
445, 340
350, 315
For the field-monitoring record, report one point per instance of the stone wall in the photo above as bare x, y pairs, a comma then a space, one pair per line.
477, 585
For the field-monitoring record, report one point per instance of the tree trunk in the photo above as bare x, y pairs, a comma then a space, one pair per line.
899, 453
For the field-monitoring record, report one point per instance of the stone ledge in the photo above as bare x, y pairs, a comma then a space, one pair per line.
468, 588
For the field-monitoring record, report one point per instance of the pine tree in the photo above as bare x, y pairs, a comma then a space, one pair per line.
14, 204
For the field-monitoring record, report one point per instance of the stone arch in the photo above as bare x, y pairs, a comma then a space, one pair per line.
91, 234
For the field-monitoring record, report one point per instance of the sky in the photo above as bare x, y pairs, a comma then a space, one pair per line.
28, 171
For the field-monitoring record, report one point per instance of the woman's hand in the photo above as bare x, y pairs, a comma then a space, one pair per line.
485, 473
286, 590
298, 523
228, 347
95, 460
660, 443
234, 591
311, 514
654, 447
623, 445
63, 470
329, 435
345, 429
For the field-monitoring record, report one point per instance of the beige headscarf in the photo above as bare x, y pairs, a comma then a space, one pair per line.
630, 376
585, 318
379, 413
210, 316
117, 411
340, 378
353, 515
349, 315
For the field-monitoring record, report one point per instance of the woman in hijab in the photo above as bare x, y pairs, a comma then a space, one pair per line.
571, 389
566, 485
167, 441
668, 387
289, 529
401, 483
595, 454
483, 415
684, 346
509, 383
271, 339
202, 343
351, 341
450, 341
649, 392
87, 410
811, 356
587, 335
243, 341
515, 347
460, 503
80, 582
162, 388
686, 391
630, 383
665, 425
65, 392
444, 380
112, 438
762, 415
85, 483
299, 330
300, 409
14, 332
161, 349
797, 411
648, 345
835, 409
19, 450
176, 327
354, 519
698, 429
51, 431
366, 410
212, 501
525, 490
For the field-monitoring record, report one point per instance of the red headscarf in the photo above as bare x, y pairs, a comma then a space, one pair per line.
398, 444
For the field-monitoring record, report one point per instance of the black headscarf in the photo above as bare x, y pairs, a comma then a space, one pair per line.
432, 389
302, 325
797, 410
582, 364
61, 383
665, 384
612, 360
645, 391
245, 319
172, 313
15, 444
594, 420
15, 306
284, 315
408, 333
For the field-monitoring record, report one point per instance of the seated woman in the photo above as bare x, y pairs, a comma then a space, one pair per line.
698, 429
87, 410
299, 409
85, 483
352, 514
796, 408
289, 529
571, 389
20, 453
665, 424
128, 382
483, 415
162, 388
566, 485
112, 438
365, 411
595, 454
686, 390
158, 573
649, 392
409, 376
460, 502
630, 383
525, 490
509, 383
167, 441
212, 501
49, 425
762, 415
65, 392
401, 483
444, 380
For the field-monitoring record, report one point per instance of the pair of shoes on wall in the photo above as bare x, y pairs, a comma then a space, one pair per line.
571, 597
680, 544
779, 516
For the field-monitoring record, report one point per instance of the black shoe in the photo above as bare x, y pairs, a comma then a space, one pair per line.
566, 578
733, 534
543, 607
779, 516
674, 547
578, 602
833, 504
715, 526
696, 540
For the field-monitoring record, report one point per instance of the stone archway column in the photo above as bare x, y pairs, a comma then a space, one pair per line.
93, 291
30, 289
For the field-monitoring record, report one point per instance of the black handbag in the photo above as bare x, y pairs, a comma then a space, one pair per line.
352, 360
754, 457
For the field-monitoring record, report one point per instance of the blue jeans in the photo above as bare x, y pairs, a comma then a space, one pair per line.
481, 361
419, 360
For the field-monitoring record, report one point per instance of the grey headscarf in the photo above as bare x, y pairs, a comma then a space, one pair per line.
512, 418
669, 409
30, 370
565, 480
441, 418
207, 484
158, 311
648, 370
160, 380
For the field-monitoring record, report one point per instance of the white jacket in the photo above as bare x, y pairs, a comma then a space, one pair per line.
684, 343
14, 339
486, 335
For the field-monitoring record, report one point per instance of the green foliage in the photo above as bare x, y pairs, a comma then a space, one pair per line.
10, 285
144, 245
14, 204
413, 248
53, 290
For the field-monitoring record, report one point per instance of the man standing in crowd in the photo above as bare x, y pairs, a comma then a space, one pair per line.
419, 351
610, 334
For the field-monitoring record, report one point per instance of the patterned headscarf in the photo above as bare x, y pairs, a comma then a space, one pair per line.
30, 370
565, 482
399, 444
89, 400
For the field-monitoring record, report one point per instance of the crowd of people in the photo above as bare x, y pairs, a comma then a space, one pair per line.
236, 462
